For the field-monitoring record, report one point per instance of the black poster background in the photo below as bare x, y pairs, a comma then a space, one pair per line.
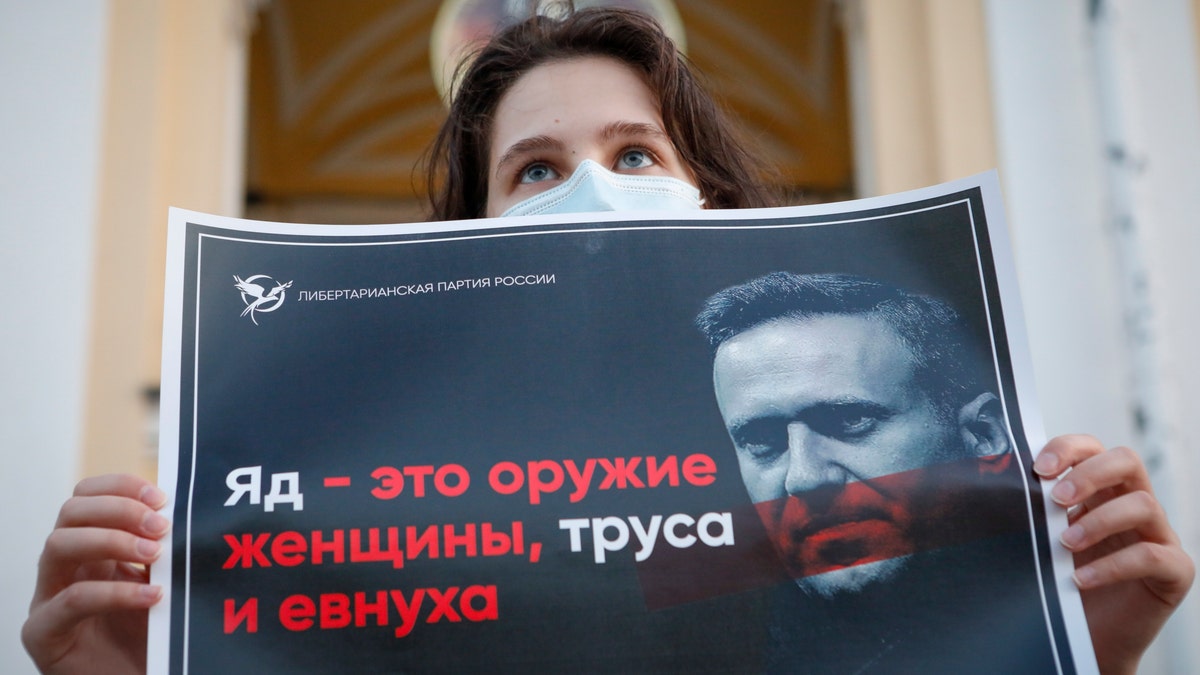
602, 363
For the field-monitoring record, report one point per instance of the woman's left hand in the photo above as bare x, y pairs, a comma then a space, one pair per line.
1130, 568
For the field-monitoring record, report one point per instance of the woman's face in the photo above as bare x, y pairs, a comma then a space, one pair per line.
563, 112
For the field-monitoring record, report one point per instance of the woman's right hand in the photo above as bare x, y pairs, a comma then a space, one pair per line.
89, 608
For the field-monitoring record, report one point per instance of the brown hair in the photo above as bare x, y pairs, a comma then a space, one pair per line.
711, 146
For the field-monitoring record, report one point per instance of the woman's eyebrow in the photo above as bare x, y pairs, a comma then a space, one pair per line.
526, 145
624, 128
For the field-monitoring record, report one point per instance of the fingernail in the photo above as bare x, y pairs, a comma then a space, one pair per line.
1063, 492
1085, 577
1046, 464
155, 524
149, 592
152, 496
1072, 536
148, 549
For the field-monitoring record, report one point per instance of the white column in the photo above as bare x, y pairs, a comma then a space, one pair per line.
1098, 125
52, 73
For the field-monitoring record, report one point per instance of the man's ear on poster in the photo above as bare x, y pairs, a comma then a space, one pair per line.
984, 432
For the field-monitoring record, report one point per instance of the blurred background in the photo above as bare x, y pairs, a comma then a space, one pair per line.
317, 111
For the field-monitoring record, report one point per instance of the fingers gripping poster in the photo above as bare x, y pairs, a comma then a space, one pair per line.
784, 440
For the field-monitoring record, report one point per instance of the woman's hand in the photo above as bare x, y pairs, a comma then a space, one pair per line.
89, 609
1129, 566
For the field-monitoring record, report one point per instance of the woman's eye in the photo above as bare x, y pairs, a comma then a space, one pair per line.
635, 159
536, 173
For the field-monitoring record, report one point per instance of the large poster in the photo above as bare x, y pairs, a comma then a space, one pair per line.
784, 440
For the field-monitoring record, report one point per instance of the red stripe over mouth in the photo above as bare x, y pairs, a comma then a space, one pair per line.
840, 526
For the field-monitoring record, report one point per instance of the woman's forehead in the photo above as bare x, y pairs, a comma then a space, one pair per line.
565, 98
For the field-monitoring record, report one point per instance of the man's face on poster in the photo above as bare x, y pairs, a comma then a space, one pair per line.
830, 430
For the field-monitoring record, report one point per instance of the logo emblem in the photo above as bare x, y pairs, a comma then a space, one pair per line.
257, 297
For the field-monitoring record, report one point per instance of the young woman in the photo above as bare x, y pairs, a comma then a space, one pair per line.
595, 111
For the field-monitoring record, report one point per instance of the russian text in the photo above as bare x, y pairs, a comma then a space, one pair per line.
612, 534
547, 476
394, 545
330, 611
247, 482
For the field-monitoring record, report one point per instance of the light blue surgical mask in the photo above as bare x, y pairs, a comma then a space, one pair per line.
594, 188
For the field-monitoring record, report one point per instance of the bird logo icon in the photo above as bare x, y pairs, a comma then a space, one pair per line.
257, 297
